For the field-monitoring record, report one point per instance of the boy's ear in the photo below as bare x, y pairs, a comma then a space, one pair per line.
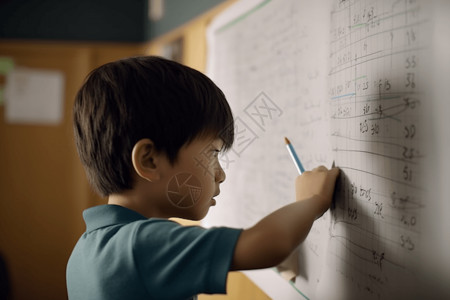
145, 160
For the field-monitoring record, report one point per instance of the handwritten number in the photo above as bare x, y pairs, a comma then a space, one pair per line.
410, 131
406, 242
410, 80
407, 173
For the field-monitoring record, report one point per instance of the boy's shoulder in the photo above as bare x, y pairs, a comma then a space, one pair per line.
110, 215
116, 223
148, 254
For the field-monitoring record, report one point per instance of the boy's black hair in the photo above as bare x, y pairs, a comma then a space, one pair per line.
143, 97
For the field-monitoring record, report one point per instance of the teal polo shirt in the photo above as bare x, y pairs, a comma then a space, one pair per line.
123, 255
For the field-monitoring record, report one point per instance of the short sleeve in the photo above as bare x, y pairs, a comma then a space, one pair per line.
177, 262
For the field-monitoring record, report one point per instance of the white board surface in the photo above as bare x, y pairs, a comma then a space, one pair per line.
346, 82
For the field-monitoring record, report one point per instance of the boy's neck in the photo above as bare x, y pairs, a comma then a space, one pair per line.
135, 203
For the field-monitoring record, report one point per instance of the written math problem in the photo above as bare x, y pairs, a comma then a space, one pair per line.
375, 99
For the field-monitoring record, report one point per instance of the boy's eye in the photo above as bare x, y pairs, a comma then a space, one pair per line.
214, 153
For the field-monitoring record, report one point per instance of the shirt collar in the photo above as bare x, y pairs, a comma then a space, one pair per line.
106, 215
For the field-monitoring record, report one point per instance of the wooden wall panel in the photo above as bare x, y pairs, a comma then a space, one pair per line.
239, 287
43, 189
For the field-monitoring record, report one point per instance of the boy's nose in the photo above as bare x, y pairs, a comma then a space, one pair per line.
220, 174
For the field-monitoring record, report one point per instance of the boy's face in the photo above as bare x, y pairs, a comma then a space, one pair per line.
193, 181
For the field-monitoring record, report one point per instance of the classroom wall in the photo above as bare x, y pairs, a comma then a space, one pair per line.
99, 20
43, 188
74, 20
176, 14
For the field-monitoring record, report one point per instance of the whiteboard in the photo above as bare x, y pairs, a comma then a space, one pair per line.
347, 82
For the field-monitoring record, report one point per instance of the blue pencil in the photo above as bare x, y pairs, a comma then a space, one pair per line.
294, 156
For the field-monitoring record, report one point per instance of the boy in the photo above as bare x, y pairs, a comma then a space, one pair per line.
148, 132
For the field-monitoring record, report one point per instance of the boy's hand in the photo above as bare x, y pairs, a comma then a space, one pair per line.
320, 181
288, 226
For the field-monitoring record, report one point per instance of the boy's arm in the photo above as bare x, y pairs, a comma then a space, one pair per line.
273, 238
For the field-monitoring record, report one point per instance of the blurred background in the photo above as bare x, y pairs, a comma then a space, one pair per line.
47, 47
